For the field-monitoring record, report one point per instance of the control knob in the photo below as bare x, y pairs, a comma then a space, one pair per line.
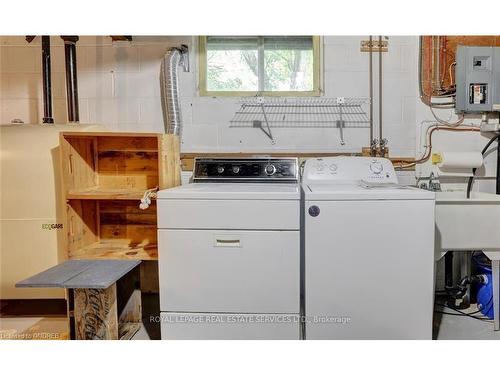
270, 169
236, 169
220, 169
376, 167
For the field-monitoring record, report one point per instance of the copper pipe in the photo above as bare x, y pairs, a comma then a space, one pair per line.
370, 55
428, 152
380, 88
427, 44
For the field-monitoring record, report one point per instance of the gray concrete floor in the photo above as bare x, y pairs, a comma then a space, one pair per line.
34, 328
461, 327
142, 334
465, 328
446, 327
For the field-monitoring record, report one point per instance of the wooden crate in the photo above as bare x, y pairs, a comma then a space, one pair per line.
104, 177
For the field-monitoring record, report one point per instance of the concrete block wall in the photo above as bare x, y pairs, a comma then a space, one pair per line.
119, 87
118, 82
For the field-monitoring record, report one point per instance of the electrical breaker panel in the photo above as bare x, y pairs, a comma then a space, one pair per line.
477, 75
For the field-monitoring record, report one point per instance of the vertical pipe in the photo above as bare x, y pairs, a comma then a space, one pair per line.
71, 78
498, 167
436, 64
465, 270
495, 268
169, 83
261, 65
47, 81
448, 270
371, 88
380, 86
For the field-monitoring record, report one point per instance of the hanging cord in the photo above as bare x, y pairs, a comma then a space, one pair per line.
471, 178
460, 120
482, 308
460, 313
451, 74
146, 198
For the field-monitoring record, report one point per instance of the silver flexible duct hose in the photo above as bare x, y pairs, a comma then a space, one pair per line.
169, 82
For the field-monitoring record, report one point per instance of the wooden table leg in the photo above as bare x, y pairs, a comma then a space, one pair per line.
96, 316
109, 314
129, 304
70, 310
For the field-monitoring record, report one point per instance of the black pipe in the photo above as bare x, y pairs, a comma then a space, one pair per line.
471, 178
461, 289
47, 81
71, 78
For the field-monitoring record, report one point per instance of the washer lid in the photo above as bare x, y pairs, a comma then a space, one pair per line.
242, 191
357, 192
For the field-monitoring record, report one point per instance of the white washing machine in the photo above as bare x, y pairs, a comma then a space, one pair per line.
369, 252
229, 251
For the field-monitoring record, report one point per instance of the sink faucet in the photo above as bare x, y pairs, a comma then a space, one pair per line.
434, 184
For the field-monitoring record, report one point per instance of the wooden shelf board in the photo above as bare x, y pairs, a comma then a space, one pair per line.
100, 193
116, 250
77, 134
187, 159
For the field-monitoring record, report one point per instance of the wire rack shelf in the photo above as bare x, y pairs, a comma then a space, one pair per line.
302, 112
280, 112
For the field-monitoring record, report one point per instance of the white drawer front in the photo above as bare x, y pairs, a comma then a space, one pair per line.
229, 271
184, 326
228, 214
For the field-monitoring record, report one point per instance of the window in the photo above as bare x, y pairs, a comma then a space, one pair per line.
264, 65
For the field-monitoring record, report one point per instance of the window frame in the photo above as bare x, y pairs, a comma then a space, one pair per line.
202, 74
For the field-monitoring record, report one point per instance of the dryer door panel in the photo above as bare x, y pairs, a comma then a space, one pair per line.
229, 271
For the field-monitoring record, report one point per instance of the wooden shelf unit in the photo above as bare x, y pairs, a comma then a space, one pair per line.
111, 229
99, 193
104, 177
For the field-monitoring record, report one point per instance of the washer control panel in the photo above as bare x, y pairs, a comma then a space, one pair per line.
349, 168
258, 169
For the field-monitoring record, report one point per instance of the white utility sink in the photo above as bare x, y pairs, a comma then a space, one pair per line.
467, 224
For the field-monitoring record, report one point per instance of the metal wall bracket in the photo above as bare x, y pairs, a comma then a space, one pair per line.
340, 121
258, 124
383, 46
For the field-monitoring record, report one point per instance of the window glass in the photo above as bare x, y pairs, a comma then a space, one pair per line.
258, 65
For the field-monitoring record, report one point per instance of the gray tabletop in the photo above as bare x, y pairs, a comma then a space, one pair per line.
95, 274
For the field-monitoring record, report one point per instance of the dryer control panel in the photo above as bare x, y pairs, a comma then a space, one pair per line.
346, 169
256, 169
